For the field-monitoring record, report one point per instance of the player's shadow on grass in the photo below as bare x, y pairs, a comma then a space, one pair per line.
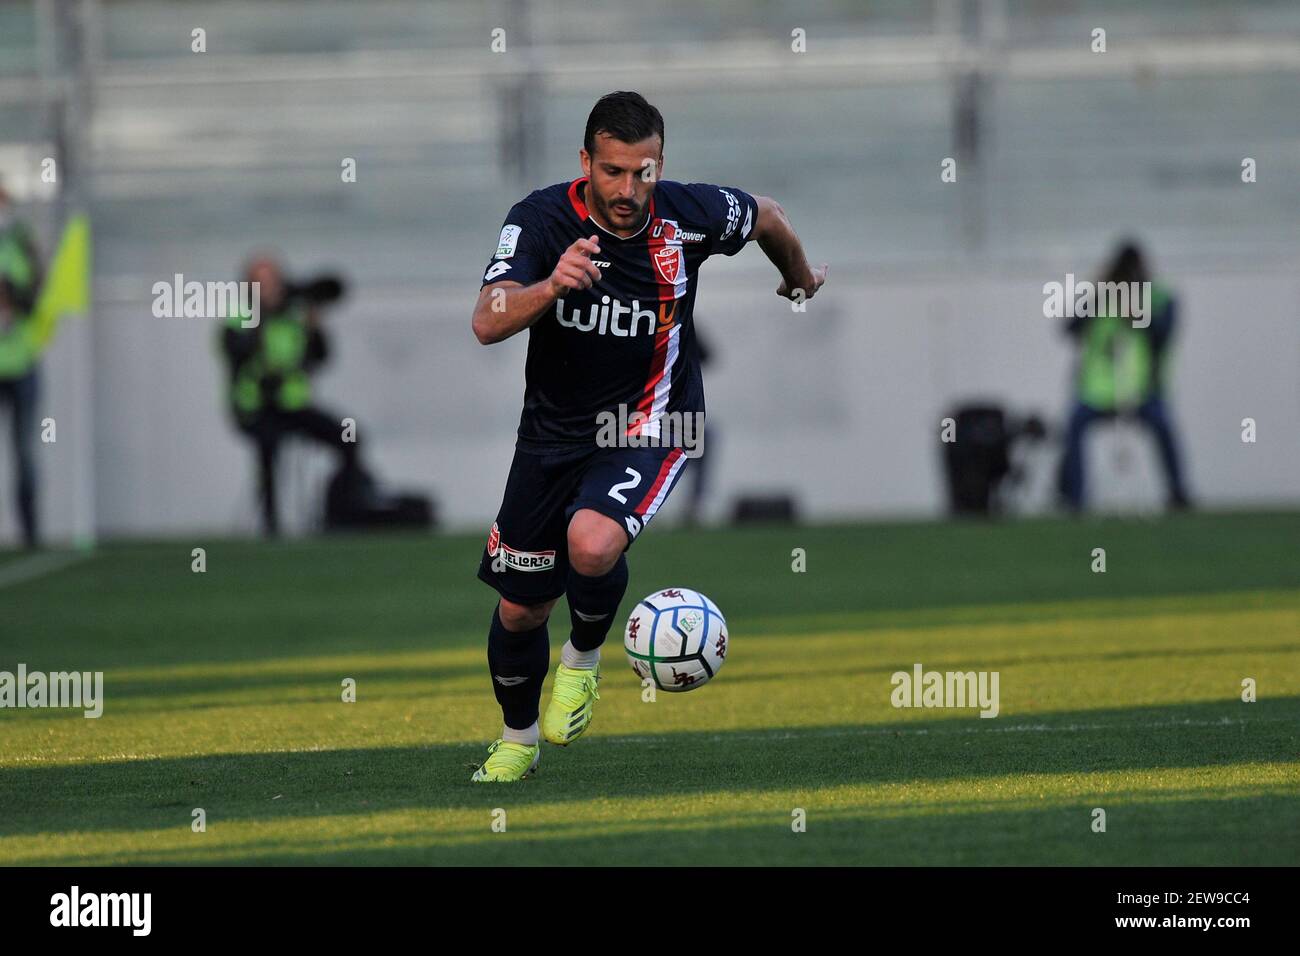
131, 795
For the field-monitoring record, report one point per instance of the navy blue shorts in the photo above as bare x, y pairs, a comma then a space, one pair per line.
527, 553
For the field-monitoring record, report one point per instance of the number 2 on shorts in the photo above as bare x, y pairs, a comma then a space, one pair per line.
616, 492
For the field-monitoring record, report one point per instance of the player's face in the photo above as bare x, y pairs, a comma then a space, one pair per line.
621, 178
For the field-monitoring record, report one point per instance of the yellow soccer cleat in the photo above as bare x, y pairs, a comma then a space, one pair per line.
573, 697
507, 762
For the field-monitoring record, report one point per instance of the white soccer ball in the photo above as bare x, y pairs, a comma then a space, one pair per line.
677, 638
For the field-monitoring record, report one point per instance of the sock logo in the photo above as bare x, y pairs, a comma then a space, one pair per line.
509, 681
590, 618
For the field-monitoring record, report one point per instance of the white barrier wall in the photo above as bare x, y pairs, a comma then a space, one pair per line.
839, 406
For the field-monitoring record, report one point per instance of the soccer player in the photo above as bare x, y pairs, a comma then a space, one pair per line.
602, 271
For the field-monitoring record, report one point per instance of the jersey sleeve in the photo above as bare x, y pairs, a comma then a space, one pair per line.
520, 254
731, 215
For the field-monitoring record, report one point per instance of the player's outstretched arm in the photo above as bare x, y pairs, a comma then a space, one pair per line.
779, 243
505, 308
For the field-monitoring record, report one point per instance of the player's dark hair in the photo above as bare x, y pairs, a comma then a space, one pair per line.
625, 116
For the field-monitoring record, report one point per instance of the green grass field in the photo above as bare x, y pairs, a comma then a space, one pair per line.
1119, 690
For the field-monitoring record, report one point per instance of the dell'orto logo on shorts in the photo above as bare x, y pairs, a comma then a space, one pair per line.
505, 556
610, 317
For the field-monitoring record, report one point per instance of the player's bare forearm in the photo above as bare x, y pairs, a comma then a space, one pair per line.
777, 238
506, 308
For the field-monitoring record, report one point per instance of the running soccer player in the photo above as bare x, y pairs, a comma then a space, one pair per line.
602, 271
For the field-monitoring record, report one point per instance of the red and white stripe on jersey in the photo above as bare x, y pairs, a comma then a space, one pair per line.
657, 390
663, 483
653, 401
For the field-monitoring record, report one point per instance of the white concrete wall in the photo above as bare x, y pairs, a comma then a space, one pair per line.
840, 405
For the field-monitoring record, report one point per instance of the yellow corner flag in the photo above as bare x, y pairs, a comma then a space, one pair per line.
66, 290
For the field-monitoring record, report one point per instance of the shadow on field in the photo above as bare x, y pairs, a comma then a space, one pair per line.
154, 794
322, 685
1177, 831
992, 660
141, 604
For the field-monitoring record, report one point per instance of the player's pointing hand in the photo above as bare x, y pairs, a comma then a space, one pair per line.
575, 270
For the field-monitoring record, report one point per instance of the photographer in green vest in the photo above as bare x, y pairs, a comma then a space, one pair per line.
270, 365
20, 282
1121, 373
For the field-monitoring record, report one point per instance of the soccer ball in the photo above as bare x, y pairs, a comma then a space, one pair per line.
676, 637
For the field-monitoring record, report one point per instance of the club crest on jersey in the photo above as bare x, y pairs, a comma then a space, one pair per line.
670, 264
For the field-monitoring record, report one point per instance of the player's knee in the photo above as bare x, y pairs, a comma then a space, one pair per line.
523, 617
595, 542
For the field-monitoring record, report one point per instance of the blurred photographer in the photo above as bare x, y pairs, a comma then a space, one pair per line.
20, 282
270, 366
1122, 373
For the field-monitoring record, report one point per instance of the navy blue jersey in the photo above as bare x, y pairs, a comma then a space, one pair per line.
629, 340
